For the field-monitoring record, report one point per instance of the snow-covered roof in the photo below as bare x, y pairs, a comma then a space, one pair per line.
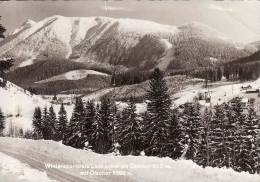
244, 100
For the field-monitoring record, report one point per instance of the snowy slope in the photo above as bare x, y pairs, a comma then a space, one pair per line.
202, 30
26, 63
18, 106
12, 170
55, 31
133, 168
142, 26
33, 38
16, 100
73, 75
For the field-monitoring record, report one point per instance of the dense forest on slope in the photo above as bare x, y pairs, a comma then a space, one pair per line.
246, 68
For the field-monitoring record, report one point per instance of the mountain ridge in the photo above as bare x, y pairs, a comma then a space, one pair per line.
105, 42
72, 37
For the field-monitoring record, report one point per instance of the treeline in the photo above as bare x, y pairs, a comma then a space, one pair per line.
224, 136
231, 71
5, 64
212, 74
47, 126
129, 77
246, 68
242, 71
2, 122
2, 30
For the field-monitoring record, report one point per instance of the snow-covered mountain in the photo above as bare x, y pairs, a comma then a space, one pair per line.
128, 42
56, 45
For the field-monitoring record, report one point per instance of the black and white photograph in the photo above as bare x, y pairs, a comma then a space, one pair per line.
130, 91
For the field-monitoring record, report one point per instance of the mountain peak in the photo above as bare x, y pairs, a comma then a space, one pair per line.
200, 29
28, 23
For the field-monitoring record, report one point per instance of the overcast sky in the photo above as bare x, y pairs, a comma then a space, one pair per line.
238, 20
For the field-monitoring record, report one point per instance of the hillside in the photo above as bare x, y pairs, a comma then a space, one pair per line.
251, 58
245, 68
138, 91
255, 45
18, 106
42, 77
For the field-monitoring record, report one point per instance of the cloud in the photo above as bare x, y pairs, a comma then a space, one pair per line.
219, 8
114, 8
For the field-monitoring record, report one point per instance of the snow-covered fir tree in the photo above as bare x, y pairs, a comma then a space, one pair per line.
52, 122
239, 121
218, 136
2, 122
48, 123
230, 132
101, 139
129, 131
176, 137
258, 148
73, 134
144, 123
46, 129
87, 126
61, 123
203, 156
2, 30
191, 120
37, 124
96, 127
117, 129
158, 108
5, 64
248, 158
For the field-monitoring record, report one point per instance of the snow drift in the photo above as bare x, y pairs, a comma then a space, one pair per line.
12, 170
137, 168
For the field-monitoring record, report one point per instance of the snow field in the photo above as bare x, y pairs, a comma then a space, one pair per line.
219, 94
73, 75
26, 63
